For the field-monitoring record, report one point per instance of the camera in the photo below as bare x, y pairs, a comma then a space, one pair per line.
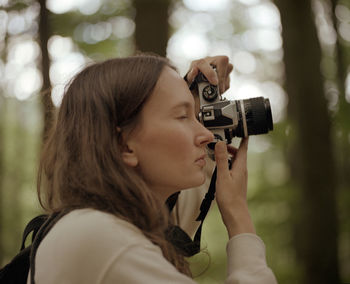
228, 119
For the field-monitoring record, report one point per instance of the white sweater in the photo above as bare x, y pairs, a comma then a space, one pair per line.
89, 246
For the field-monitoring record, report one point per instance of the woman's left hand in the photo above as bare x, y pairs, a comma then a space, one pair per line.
222, 75
231, 188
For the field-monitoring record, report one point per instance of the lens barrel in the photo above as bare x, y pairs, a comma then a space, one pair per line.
255, 117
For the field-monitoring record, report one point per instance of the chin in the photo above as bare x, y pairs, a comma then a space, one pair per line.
198, 181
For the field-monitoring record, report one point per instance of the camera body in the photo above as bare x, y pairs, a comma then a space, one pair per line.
228, 119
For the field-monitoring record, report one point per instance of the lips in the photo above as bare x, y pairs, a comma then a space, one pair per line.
201, 160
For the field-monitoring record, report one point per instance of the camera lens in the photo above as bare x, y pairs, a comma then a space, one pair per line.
255, 117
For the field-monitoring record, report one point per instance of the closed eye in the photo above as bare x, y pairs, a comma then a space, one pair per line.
184, 110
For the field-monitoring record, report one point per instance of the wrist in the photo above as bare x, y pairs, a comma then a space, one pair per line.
237, 219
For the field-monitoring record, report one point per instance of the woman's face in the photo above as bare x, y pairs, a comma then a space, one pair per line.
168, 146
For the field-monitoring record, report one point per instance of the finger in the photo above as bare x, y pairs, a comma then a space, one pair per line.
224, 76
222, 71
227, 84
222, 65
204, 66
244, 143
242, 150
229, 70
221, 158
239, 162
192, 74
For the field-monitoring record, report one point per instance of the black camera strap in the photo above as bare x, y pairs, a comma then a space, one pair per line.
205, 206
179, 237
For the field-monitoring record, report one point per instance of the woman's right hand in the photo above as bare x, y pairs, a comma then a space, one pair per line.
231, 188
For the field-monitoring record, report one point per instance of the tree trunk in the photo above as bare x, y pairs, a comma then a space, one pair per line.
44, 35
2, 203
343, 145
2, 158
152, 30
344, 106
314, 172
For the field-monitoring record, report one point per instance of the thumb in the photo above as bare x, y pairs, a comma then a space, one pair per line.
221, 158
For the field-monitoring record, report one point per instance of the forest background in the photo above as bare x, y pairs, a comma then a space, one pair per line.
295, 52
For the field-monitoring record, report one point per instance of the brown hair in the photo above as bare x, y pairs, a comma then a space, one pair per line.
81, 164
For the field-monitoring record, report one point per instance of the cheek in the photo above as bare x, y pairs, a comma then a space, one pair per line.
165, 146
168, 139
166, 157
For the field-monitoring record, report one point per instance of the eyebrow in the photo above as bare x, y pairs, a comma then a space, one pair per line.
183, 104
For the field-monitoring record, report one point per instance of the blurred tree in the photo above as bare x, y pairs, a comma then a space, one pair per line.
44, 35
2, 176
312, 159
2, 154
344, 106
152, 28
342, 53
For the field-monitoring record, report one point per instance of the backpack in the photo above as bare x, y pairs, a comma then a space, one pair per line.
16, 272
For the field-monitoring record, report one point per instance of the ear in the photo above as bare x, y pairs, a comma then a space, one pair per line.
128, 153
129, 157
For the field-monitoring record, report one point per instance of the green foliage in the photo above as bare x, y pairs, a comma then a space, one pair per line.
21, 142
73, 24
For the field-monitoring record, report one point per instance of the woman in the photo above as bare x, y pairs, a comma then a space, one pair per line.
127, 138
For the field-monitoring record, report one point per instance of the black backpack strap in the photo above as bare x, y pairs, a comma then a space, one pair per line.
33, 226
43, 231
17, 270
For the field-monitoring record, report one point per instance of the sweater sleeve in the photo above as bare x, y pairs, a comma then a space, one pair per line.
146, 264
88, 246
247, 261
142, 264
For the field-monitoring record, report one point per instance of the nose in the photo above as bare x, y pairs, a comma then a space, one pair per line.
204, 136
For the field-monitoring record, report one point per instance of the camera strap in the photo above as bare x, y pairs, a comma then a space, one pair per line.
179, 238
